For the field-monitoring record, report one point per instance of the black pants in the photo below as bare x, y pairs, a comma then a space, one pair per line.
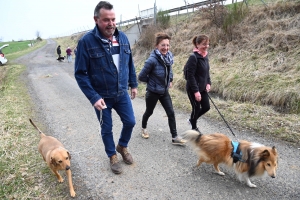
165, 100
198, 107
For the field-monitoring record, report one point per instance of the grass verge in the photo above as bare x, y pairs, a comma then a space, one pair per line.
23, 173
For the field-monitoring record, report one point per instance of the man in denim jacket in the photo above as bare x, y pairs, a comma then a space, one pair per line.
104, 71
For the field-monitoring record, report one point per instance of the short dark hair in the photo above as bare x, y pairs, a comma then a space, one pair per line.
102, 4
161, 36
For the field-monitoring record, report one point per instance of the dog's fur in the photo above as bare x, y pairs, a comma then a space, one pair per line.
61, 59
216, 149
56, 157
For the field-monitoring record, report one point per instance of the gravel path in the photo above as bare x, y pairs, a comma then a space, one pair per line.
161, 170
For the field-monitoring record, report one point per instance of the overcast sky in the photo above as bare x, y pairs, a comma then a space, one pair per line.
22, 19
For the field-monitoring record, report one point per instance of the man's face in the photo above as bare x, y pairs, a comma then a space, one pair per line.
106, 22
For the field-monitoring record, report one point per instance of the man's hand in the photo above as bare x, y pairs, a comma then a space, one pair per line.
100, 104
133, 93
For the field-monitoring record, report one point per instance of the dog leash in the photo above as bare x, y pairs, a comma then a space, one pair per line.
101, 122
78, 152
221, 115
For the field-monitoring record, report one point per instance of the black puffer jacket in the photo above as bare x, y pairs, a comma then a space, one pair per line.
157, 74
197, 73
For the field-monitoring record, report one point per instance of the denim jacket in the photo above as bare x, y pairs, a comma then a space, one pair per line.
95, 71
156, 74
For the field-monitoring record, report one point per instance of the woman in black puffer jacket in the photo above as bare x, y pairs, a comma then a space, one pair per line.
157, 73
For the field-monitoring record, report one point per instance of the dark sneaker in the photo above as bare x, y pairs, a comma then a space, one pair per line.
127, 158
115, 164
178, 141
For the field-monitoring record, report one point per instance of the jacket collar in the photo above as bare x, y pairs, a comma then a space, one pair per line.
104, 40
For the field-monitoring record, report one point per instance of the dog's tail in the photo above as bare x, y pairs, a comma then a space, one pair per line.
191, 136
35, 126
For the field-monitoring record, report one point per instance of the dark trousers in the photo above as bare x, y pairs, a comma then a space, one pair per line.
198, 107
165, 100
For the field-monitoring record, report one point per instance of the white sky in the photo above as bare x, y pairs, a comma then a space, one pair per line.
21, 19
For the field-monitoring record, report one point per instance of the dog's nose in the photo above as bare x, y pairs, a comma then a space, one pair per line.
68, 167
273, 176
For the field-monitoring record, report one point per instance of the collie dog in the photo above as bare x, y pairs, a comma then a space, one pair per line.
253, 159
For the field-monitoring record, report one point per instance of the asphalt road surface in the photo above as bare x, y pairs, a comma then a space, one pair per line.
160, 170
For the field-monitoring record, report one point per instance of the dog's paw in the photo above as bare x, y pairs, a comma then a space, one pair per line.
221, 173
251, 185
60, 179
72, 193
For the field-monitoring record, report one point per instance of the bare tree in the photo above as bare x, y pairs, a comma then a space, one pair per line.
38, 35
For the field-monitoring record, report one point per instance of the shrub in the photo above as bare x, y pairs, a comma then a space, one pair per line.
163, 19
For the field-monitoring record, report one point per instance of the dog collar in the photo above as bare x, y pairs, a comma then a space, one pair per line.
236, 154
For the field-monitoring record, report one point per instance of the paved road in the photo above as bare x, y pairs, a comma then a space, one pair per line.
161, 170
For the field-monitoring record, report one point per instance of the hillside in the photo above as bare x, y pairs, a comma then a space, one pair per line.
255, 68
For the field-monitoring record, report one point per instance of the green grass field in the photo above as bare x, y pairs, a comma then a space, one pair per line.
16, 46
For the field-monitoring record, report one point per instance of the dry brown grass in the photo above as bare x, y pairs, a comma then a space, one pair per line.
255, 76
65, 42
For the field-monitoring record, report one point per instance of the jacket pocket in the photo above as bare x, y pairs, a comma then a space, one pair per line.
97, 58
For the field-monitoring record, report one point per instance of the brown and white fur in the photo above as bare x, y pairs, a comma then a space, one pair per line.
56, 157
216, 149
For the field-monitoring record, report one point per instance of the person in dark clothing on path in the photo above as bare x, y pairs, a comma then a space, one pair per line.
58, 51
157, 73
198, 79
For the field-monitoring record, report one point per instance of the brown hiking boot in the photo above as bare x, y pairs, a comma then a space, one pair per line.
115, 165
125, 154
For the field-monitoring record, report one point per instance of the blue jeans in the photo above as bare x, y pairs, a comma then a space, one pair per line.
69, 57
122, 105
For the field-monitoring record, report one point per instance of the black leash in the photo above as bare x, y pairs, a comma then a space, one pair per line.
221, 115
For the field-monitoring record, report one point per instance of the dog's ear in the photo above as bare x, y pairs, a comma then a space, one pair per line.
69, 155
274, 150
265, 154
53, 161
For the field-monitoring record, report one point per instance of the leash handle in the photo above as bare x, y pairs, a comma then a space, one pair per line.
221, 115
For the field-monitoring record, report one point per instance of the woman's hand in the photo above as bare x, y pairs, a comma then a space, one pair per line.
197, 96
207, 88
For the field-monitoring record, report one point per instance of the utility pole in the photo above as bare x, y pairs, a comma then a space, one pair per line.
185, 2
154, 13
120, 23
